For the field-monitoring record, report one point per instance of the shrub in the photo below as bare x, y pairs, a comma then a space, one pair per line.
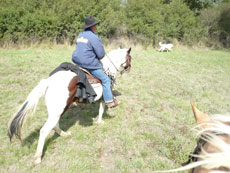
153, 20
216, 20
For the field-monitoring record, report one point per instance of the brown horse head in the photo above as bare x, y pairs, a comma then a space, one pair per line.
127, 63
207, 143
212, 151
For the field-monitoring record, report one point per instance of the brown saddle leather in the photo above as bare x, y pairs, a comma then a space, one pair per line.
90, 77
73, 87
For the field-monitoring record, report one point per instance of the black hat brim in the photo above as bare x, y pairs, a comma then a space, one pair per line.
88, 26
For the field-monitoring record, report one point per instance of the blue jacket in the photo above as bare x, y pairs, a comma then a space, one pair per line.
89, 50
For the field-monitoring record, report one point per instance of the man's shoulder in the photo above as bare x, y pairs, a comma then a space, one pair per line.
89, 34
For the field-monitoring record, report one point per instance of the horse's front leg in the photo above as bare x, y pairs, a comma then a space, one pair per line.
101, 111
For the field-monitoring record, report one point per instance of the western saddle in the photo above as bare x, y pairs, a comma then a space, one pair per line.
90, 77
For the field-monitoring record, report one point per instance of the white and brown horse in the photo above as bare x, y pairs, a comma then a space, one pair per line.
59, 91
212, 153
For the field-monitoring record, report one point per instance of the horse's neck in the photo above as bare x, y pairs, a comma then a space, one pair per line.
112, 62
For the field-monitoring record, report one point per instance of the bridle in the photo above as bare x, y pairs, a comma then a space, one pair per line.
127, 62
125, 69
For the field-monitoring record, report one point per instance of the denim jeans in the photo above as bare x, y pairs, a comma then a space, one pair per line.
107, 92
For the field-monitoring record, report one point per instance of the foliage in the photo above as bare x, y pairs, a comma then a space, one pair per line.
197, 5
59, 20
217, 23
143, 18
179, 21
144, 21
158, 21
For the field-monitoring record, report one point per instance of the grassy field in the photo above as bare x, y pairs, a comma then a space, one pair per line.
150, 130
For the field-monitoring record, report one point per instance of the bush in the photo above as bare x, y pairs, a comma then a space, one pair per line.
216, 20
154, 21
39, 20
144, 21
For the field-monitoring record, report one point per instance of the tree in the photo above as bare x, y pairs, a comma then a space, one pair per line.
197, 5
216, 21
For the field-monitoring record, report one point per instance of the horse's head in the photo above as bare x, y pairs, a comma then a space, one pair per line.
213, 146
127, 64
212, 153
115, 59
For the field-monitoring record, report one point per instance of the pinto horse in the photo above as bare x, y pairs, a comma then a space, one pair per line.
212, 153
59, 91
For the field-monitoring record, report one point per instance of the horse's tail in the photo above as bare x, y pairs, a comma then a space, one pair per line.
17, 121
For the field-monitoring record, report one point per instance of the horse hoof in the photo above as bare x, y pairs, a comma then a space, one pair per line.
37, 161
99, 122
65, 134
68, 133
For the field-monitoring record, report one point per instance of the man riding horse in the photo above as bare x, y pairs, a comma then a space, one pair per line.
89, 50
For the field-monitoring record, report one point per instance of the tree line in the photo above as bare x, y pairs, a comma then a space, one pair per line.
142, 21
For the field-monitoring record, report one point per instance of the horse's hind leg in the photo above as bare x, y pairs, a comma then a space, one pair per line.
45, 130
61, 132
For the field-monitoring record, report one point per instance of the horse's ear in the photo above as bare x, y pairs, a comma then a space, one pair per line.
200, 116
129, 50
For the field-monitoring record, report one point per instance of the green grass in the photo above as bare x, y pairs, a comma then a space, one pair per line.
150, 130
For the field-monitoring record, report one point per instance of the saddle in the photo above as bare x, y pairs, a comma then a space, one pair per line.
90, 77
92, 80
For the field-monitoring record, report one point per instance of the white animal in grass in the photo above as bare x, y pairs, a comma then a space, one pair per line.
165, 47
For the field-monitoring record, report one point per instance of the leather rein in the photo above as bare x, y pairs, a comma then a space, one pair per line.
127, 62
126, 68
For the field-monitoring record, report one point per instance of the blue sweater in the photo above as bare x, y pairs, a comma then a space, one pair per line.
89, 50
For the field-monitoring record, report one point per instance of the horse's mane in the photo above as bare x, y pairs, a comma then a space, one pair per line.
220, 125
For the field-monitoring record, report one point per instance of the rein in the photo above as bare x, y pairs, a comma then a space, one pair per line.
111, 61
127, 62
126, 68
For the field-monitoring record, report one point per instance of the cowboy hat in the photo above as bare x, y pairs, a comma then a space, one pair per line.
90, 21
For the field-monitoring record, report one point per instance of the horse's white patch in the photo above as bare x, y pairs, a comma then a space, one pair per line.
98, 89
57, 92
